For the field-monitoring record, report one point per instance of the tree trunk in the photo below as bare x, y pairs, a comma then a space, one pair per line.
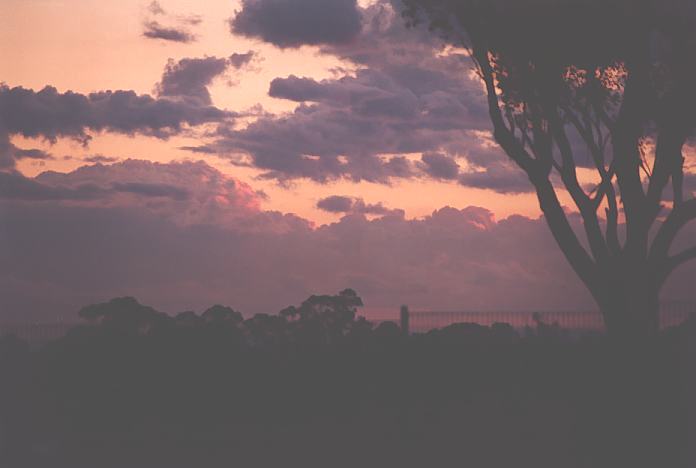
630, 307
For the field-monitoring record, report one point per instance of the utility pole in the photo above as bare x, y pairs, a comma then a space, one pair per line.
405, 331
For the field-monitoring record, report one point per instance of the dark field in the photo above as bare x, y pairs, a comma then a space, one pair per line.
137, 389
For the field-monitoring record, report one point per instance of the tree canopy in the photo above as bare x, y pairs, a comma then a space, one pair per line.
600, 85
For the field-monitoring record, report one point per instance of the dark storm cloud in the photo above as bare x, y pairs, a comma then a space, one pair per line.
155, 30
440, 166
293, 23
352, 205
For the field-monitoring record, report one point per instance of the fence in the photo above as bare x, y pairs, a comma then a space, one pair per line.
672, 313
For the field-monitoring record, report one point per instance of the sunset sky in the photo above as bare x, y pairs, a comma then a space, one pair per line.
254, 152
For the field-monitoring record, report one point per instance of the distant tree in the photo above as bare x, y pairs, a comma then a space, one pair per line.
219, 314
326, 319
124, 314
602, 85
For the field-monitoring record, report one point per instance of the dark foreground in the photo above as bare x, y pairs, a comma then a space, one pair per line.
308, 391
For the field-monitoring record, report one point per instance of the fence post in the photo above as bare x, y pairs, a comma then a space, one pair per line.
405, 331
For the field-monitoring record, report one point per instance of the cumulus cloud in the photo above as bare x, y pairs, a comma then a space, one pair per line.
407, 95
183, 102
76, 254
353, 127
10, 153
188, 192
189, 78
354, 205
502, 177
14, 186
50, 114
184, 236
293, 23
241, 59
440, 166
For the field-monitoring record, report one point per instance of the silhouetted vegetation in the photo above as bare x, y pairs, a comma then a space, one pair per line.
603, 85
316, 385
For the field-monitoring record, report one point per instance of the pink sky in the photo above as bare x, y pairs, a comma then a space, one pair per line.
355, 110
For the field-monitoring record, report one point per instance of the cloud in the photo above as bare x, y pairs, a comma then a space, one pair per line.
190, 77
184, 192
10, 153
14, 186
293, 23
353, 205
155, 30
440, 166
336, 204
50, 114
298, 89
353, 128
32, 153
175, 28
152, 190
66, 255
502, 177
240, 60
406, 96
183, 236
155, 8
100, 158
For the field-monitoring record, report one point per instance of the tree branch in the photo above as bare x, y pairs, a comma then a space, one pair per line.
563, 233
678, 218
501, 132
569, 176
625, 137
682, 257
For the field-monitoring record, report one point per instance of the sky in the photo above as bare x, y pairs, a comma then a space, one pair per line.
252, 153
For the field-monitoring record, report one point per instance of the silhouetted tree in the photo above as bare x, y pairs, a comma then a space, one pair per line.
325, 319
605, 85
125, 314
